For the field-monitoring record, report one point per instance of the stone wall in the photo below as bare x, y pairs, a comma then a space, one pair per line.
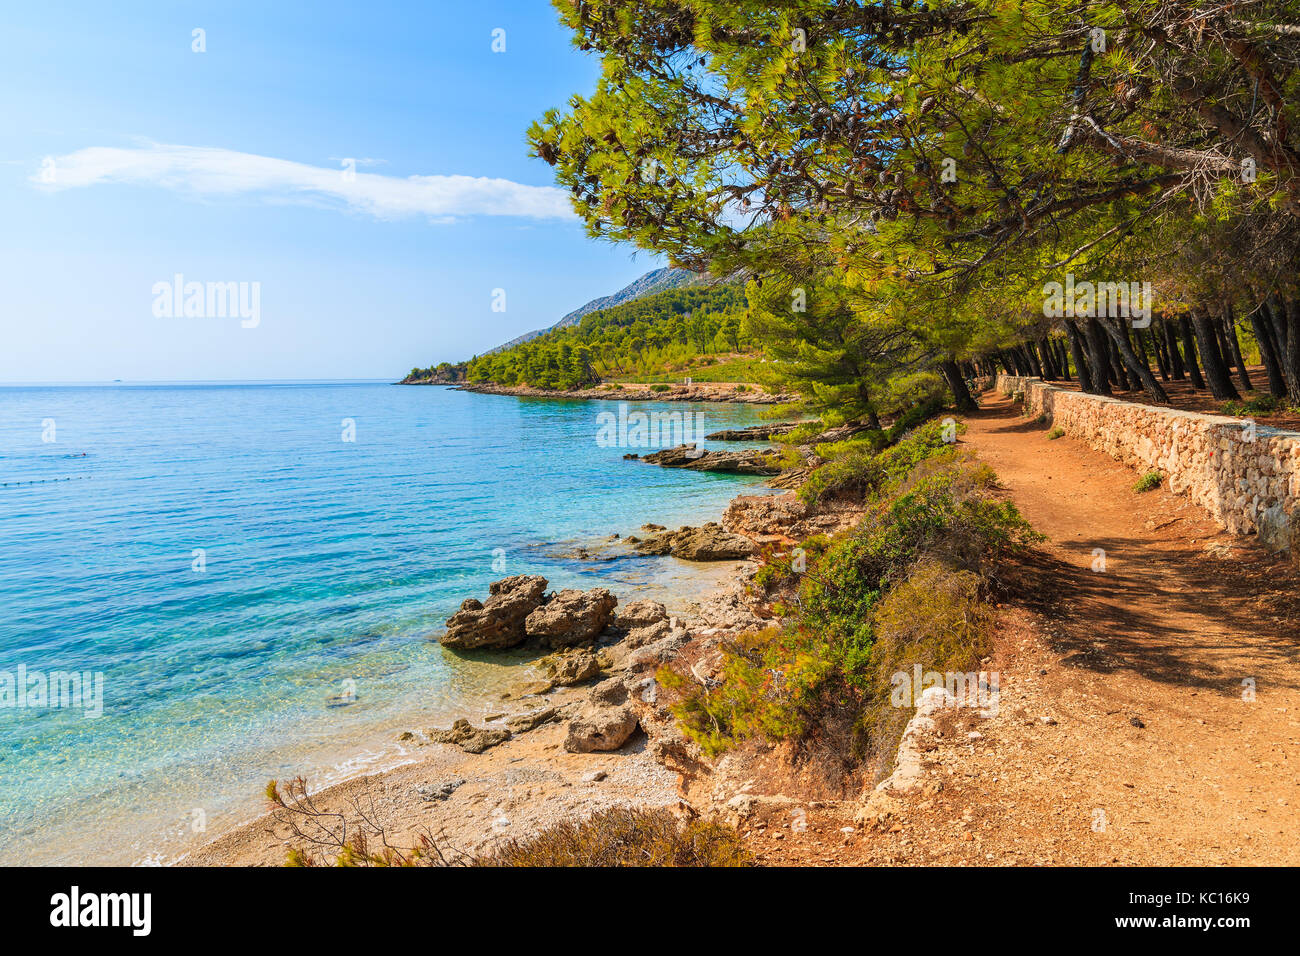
1246, 476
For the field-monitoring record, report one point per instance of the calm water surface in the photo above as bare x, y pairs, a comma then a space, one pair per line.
229, 562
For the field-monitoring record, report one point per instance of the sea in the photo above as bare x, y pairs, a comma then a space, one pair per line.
204, 587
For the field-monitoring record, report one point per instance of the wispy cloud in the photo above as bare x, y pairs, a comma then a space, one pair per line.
206, 171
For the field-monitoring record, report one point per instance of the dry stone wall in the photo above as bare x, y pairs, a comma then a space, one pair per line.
1246, 476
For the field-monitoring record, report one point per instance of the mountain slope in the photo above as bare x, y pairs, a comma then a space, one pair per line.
658, 280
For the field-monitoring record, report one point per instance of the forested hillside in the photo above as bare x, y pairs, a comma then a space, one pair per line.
681, 331
1107, 190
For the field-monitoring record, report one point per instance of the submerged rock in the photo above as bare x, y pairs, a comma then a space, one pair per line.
499, 621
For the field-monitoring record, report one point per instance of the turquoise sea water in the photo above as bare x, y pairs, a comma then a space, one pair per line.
229, 562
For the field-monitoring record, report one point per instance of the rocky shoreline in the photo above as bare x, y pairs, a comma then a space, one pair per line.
591, 732
734, 392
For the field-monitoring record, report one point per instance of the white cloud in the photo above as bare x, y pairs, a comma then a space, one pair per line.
208, 171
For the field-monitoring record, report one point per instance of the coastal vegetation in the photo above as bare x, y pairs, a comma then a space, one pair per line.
896, 201
695, 331
908, 584
912, 189
618, 836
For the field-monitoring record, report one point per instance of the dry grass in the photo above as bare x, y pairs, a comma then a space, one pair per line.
625, 837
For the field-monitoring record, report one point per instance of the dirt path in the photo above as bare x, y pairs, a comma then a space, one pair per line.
1125, 733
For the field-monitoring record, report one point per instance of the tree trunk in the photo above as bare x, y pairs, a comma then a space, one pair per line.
1140, 373
1099, 354
1140, 348
1216, 370
1063, 359
961, 396
1158, 347
1234, 347
1268, 352
1189, 353
1031, 357
1289, 339
1171, 346
1050, 371
1076, 350
1118, 367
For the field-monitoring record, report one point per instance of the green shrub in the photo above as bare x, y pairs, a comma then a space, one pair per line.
659, 387
819, 678
1260, 405
1055, 433
1148, 482
858, 471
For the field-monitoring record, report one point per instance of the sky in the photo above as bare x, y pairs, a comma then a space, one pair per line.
359, 171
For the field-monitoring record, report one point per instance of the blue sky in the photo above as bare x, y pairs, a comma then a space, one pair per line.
127, 158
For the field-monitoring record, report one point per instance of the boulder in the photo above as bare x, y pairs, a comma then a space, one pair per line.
711, 542
641, 636
640, 613
760, 461
470, 739
754, 432
499, 621
572, 667
572, 617
600, 728
609, 693
660, 652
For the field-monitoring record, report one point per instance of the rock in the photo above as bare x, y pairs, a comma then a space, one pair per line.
754, 432
572, 617
469, 739
1275, 529
609, 693
439, 791
596, 776
660, 652
640, 613
522, 723
641, 636
573, 667
498, 622
711, 542
600, 728
529, 689
764, 517
760, 461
